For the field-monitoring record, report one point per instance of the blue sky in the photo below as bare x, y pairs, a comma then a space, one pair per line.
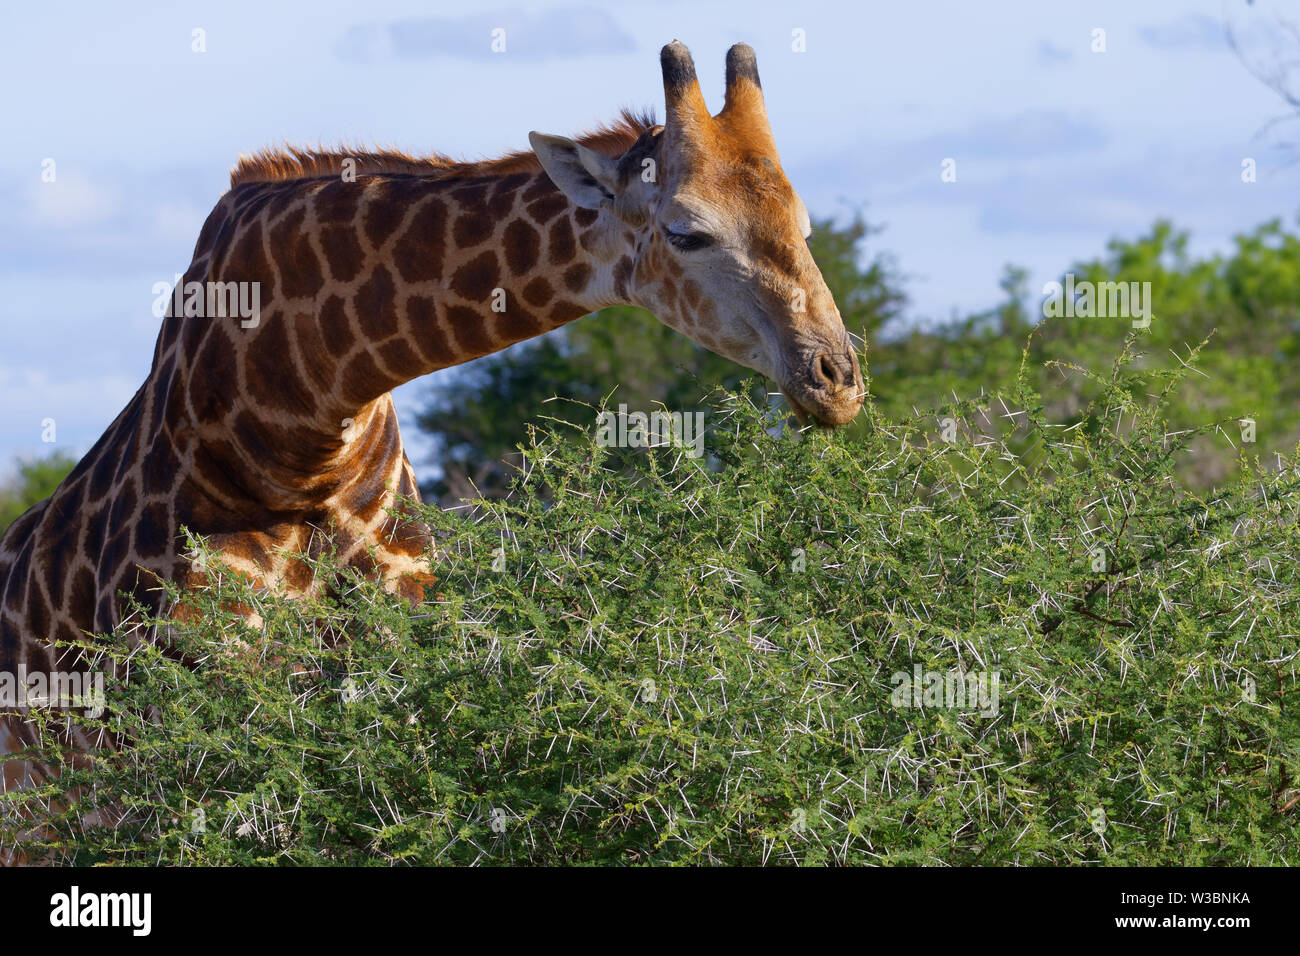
1058, 148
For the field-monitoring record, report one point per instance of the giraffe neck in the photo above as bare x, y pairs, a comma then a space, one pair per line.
366, 285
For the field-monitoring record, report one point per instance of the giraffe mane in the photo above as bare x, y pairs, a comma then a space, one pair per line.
291, 162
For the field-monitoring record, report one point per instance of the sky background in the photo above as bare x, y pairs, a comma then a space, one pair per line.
1058, 148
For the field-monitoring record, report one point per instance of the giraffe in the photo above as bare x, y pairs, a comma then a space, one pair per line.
279, 435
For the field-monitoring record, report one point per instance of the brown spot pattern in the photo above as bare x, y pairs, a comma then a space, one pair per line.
522, 245
538, 291
418, 254
562, 245
476, 279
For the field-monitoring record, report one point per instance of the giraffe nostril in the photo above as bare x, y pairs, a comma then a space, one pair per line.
829, 374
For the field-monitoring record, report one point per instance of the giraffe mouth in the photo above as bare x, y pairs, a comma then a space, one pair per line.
802, 415
828, 415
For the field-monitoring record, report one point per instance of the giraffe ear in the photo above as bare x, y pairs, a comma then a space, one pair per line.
584, 175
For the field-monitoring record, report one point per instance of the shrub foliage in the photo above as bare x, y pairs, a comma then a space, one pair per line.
678, 660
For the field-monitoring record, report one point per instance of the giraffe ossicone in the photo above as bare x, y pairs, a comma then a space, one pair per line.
279, 436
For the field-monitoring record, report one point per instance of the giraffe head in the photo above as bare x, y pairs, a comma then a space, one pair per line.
714, 238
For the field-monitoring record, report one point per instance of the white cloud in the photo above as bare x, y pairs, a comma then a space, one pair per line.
1195, 31
178, 222
81, 407
71, 201
561, 32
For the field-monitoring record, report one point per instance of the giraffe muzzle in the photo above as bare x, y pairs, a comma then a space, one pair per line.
831, 393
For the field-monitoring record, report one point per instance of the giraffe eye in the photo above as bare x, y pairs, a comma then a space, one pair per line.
688, 241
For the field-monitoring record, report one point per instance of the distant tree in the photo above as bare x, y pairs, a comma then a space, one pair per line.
1271, 52
35, 481
1247, 299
